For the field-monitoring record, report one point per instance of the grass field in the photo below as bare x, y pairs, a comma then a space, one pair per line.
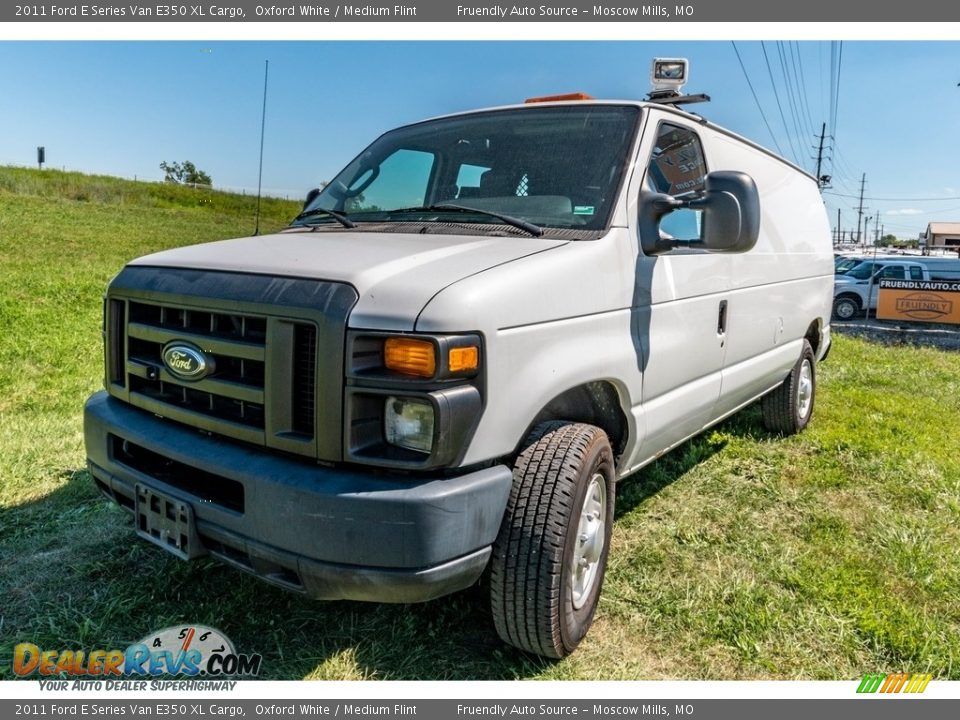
739, 555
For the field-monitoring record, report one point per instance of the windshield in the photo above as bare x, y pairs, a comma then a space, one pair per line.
555, 167
844, 264
862, 271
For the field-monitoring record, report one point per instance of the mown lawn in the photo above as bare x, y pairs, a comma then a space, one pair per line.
739, 555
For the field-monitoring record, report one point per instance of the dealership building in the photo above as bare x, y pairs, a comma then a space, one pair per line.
942, 235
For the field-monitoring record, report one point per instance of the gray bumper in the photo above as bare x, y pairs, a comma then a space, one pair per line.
327, 532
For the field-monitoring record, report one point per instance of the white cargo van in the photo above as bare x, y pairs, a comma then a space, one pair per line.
448, 360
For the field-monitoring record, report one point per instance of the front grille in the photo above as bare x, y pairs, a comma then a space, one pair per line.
304, 378
116, 322
272, 346
235, 344
205, 403
232, 399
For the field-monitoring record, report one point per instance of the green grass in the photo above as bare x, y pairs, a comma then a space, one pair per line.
739, 555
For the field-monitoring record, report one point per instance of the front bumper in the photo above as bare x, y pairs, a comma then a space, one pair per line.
330, 533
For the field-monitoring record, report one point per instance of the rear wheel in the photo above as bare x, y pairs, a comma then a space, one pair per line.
788, 408
550, 556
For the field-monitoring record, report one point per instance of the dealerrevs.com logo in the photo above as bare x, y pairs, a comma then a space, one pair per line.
181, 650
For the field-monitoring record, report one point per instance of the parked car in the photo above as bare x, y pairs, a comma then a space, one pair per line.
843, 263
941, 268
857, 289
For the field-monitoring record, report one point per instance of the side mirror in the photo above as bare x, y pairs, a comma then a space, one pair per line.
731, 215
731, 212
311, 196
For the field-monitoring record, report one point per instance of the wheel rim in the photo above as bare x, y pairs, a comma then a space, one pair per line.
591, 536
845, 310
805, 388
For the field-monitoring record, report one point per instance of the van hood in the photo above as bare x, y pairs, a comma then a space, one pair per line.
394, 274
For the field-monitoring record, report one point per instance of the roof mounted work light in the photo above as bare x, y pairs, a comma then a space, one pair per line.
667, 76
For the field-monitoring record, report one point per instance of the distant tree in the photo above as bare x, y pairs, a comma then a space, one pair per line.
891, 240
185, 173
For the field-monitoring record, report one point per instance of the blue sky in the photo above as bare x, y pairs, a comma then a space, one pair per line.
120, 108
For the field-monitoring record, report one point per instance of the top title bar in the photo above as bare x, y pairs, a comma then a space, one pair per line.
737, 11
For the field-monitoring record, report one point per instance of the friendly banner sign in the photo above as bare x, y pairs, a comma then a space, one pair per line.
925, 301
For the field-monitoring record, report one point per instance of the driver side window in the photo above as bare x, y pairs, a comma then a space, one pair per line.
677, 167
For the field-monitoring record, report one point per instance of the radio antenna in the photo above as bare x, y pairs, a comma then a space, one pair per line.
263, 122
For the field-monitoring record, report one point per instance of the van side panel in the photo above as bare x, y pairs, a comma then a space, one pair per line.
781, 286
683, 365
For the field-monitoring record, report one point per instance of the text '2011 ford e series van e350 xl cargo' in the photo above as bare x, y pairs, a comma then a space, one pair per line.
442, 367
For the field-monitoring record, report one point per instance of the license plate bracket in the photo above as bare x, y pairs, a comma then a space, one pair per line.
167, 521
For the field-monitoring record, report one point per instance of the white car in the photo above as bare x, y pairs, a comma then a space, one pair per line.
858, 288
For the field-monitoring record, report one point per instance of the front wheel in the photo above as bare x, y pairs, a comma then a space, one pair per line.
846, 307
788, 408
550, 556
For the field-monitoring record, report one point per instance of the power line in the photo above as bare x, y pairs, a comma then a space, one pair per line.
794, 114
826, 86
836, 103
839, 170
776, 95
801, 84
841, 180
844, 167
755, 98
900, 199
836, 66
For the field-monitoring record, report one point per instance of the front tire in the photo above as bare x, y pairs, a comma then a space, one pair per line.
788, 408
550, 556
846, 307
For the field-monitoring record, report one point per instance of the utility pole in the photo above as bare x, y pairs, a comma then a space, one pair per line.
839, 241
822, 180
863, 182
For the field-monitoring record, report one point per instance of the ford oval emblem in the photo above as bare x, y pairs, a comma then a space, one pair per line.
186, 361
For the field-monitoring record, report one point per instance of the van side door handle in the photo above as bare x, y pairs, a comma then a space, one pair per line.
722, 318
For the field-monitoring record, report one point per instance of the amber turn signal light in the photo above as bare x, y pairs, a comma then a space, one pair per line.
463, 359
409, 356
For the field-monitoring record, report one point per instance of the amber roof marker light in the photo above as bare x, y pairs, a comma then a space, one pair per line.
558, 98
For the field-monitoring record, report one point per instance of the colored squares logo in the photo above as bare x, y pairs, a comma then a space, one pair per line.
894, 683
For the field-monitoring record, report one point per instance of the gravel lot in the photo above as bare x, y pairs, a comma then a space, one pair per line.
895, 332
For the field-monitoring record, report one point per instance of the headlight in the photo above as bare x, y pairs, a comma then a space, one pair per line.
408, 423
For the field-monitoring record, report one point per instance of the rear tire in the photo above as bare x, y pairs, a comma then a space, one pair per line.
549, 558
788, 408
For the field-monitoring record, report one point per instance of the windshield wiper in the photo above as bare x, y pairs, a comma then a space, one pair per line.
339, 217
518, 223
